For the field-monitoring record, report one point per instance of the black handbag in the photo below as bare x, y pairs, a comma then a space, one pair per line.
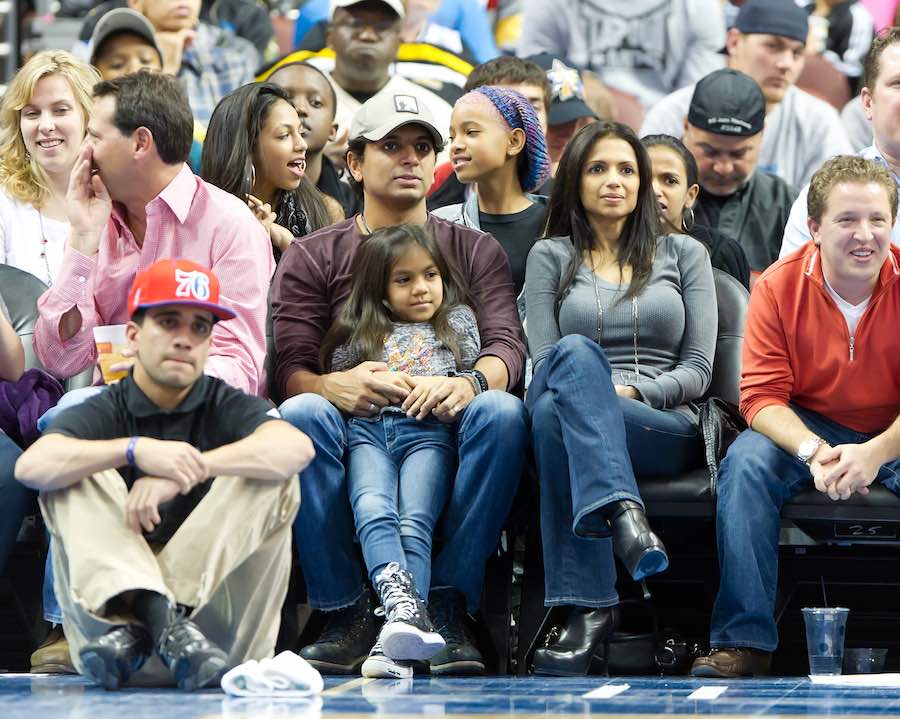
721, 423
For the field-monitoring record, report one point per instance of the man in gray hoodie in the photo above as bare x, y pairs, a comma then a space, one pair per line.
644, 47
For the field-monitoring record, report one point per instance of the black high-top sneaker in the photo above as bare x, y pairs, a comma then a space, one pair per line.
407, 632
460, 656
346, 639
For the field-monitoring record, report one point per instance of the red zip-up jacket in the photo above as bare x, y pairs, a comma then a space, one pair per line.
797, 347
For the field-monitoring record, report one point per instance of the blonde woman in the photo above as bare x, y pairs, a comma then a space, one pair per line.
43, 117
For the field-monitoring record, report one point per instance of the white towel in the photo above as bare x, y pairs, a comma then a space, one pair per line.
269, 708
287, 675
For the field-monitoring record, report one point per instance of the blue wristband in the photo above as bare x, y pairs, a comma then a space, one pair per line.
129, 453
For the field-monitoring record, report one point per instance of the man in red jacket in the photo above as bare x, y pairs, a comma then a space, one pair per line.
820, 391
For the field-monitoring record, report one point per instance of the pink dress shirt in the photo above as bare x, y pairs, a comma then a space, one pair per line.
190, 219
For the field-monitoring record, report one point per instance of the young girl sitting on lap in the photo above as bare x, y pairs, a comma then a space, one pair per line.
406, 310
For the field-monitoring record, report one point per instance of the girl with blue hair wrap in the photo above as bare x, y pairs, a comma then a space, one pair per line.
497, 145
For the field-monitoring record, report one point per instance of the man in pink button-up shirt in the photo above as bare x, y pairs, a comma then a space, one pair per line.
132, 200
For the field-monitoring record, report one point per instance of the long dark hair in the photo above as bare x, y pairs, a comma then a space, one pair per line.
231, 139
566, 215
364, 321
691, 172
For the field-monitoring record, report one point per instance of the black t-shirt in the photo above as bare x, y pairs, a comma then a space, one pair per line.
453, 192
709, 207
516, 233
212, 415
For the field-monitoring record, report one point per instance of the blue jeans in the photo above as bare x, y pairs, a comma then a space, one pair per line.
52, 611
15, 498
491, 436
756, 478
399, 475
588, 444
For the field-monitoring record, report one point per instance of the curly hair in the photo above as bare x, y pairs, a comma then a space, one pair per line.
852, 169
20, 176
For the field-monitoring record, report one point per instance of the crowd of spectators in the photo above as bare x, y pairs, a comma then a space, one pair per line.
366, 278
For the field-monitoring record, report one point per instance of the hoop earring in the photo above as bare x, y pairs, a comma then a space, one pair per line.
252, 175
687, 219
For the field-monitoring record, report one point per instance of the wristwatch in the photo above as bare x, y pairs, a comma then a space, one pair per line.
808, 448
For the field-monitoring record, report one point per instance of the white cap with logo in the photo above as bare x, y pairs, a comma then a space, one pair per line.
385, 112
395, 5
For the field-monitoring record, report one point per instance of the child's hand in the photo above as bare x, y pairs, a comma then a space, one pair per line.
444, 397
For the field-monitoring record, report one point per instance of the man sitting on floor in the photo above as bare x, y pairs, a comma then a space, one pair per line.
171, 489
820, 391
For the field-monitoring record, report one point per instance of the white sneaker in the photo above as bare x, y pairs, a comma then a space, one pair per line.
379, 666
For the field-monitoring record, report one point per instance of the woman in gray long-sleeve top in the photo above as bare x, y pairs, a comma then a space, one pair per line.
622, 330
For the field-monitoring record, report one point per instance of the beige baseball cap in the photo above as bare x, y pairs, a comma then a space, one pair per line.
385, 112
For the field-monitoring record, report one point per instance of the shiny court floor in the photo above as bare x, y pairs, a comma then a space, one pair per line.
48, 697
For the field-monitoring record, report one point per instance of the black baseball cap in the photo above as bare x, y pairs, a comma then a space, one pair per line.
773, 17
728, 102
567, 89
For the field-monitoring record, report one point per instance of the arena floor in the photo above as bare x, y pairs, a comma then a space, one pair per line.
49, 697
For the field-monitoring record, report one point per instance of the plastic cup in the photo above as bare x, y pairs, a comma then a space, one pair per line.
817, 36
864, 661
825, 630
110, 341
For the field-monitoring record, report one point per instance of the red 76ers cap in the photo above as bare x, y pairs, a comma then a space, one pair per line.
177, 282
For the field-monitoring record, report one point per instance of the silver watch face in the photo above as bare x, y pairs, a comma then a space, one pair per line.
807, 449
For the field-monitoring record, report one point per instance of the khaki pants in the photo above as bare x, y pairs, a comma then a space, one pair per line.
230, 560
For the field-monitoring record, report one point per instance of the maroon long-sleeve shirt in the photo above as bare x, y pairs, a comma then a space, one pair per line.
313, 282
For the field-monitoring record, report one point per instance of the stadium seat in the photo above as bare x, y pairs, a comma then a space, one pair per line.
20, 291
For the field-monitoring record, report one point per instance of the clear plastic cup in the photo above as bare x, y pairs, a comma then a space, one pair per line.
817, 36
110, 341
864, 660
825, 630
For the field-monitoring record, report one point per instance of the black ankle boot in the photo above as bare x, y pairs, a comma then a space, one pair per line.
634, 543
572, 653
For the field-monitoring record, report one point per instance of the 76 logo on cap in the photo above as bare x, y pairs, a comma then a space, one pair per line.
192, 284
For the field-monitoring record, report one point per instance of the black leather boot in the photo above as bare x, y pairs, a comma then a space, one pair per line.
634, 543
573, 652
345, 641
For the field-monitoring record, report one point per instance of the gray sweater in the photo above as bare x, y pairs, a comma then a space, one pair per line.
647, 48
676, 323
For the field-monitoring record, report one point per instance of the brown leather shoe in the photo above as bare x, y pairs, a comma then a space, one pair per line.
733, 663
53, 657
